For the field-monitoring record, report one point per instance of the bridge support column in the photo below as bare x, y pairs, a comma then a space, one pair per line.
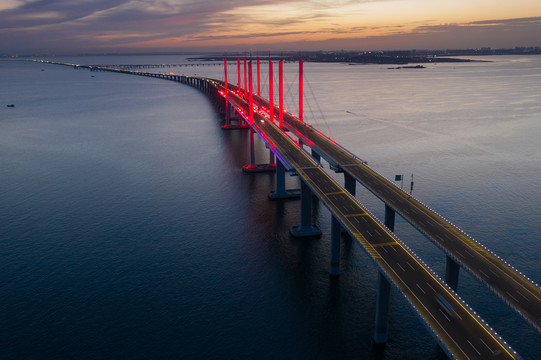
382, 309
253, 167
305, 228
252, 148
281, 192
271, 157
350, 183
384, 290
336, 231
451, 273
389, 217
227, 113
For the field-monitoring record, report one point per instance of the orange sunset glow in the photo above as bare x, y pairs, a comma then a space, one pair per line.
184, 25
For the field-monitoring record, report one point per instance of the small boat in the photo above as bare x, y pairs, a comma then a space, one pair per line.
10, 105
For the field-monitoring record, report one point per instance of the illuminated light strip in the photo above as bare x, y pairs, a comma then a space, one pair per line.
334, 193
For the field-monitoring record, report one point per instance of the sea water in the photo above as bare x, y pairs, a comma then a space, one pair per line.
128, 229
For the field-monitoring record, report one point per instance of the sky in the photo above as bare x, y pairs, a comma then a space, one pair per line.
125, 26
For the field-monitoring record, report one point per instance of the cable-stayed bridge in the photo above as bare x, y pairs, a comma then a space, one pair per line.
299, 148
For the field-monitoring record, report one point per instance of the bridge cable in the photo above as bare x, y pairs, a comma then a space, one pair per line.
318, 108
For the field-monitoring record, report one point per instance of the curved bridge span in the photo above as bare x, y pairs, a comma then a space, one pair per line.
457, 328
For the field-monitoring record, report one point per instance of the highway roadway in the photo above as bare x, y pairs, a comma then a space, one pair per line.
462, 334
513, 288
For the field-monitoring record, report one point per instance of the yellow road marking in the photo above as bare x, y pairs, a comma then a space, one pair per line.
468, 241
334, 193
367, 246
353, 215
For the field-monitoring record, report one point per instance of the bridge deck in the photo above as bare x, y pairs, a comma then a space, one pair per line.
460, 331
515, 289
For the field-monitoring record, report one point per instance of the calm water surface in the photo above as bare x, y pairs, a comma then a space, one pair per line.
128, 230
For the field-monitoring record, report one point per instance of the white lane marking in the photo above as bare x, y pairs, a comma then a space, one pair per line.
518, 292
492, 271
519, 284
407, 263
430, 287
469, 253
383, 248
484, 273
444, 315
514, 298
369, 233
488, 347
459, 253
420, 288
477, 351
400, 266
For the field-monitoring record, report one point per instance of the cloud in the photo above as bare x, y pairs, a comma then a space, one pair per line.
513, 22
521, 30
13, 4
18, 17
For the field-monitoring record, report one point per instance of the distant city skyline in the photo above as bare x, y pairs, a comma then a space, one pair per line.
104, 26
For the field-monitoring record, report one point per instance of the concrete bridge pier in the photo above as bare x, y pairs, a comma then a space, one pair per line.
384, 291
350, 183
232, 114
252, 148
451, 273
272, 159
382, 309
253, 167
227, 113
281, 192
305, 228
336, 232
316, 156
390, 215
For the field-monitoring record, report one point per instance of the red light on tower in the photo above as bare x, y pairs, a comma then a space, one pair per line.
238, 70
258, 81
225, 77
245, 80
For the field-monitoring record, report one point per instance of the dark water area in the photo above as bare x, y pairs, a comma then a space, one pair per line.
128, 230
